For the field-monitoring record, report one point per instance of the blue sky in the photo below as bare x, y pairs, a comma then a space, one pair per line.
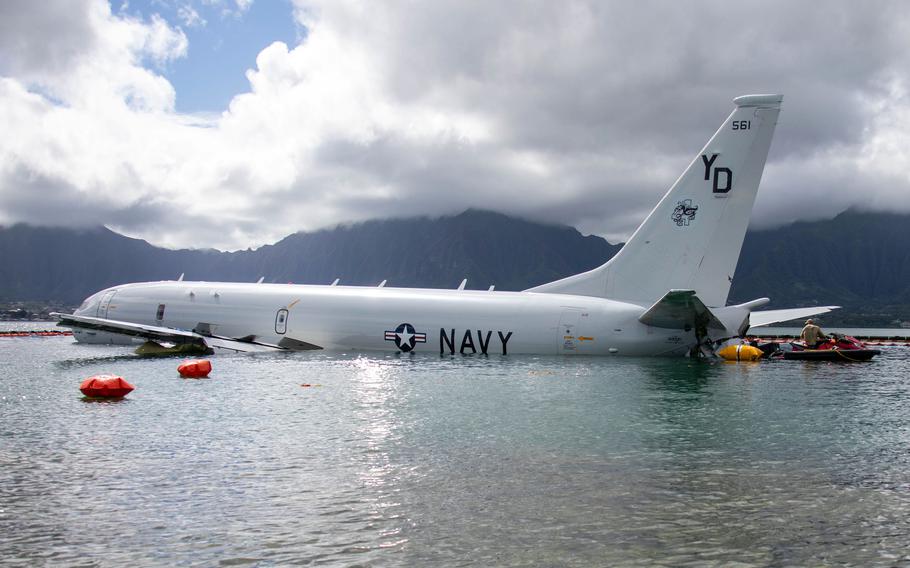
223, 45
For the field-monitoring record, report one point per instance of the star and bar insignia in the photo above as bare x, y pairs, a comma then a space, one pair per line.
405, 337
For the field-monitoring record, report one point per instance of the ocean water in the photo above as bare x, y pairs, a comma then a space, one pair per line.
408, 460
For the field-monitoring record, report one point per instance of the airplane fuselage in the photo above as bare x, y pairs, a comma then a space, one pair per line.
664, 293
355, 318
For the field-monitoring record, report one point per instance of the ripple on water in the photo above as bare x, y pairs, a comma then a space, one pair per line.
412, 460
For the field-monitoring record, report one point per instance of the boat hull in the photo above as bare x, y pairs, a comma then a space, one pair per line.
842, 355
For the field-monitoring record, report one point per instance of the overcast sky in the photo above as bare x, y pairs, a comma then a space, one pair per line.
232, 123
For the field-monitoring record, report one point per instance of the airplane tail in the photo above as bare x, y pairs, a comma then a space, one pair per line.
692, 239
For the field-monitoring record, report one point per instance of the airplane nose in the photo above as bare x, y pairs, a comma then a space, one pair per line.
89, 305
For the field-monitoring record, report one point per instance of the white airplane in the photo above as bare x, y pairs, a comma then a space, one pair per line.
664, 293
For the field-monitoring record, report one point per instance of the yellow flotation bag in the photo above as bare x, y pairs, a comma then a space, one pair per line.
740, 353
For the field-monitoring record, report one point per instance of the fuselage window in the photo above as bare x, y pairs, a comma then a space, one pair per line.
281, 321
160, 315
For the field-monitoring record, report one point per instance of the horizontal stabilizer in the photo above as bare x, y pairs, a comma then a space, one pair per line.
680, 309
767, 317
163, 334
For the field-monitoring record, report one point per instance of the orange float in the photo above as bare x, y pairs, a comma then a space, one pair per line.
740, 353
195, 369
105, 386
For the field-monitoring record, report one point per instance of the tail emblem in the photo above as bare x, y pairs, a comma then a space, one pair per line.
684, 213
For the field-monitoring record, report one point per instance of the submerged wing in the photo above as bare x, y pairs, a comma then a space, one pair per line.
680, 309
165, 334
766, 317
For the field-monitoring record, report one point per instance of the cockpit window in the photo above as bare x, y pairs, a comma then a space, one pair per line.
89, 306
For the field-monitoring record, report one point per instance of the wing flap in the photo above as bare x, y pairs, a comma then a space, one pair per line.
292, 344
680, 309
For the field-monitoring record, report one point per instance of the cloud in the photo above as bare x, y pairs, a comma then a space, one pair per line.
190, 17
43, 42
229, 8
577, 112
871, 174
79, 54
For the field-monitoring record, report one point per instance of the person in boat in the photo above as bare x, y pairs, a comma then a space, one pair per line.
812, 334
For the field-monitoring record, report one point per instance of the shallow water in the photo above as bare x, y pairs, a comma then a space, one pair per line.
422, 460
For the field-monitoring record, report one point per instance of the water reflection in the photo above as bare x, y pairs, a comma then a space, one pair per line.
418, 460
376, 396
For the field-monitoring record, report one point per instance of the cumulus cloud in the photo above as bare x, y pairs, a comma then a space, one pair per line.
578, 112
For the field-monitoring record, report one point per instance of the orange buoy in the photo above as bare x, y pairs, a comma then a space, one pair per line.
105, 386
195, 369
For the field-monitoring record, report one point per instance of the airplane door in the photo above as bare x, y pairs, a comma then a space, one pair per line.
568, 332
105, 303
281, 321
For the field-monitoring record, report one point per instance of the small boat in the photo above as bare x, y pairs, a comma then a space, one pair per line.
841, 348
845, 355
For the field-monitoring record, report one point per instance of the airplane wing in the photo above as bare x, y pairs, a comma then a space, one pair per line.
679, 309
767, 317
173, 335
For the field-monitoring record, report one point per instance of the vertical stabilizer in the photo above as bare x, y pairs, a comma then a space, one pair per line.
692, 239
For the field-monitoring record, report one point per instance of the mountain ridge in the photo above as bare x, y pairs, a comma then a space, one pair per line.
859, 260
487, 248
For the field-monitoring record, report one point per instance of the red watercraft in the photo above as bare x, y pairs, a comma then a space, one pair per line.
841, 348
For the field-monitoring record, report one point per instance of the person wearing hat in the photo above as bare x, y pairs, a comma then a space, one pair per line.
812, 334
